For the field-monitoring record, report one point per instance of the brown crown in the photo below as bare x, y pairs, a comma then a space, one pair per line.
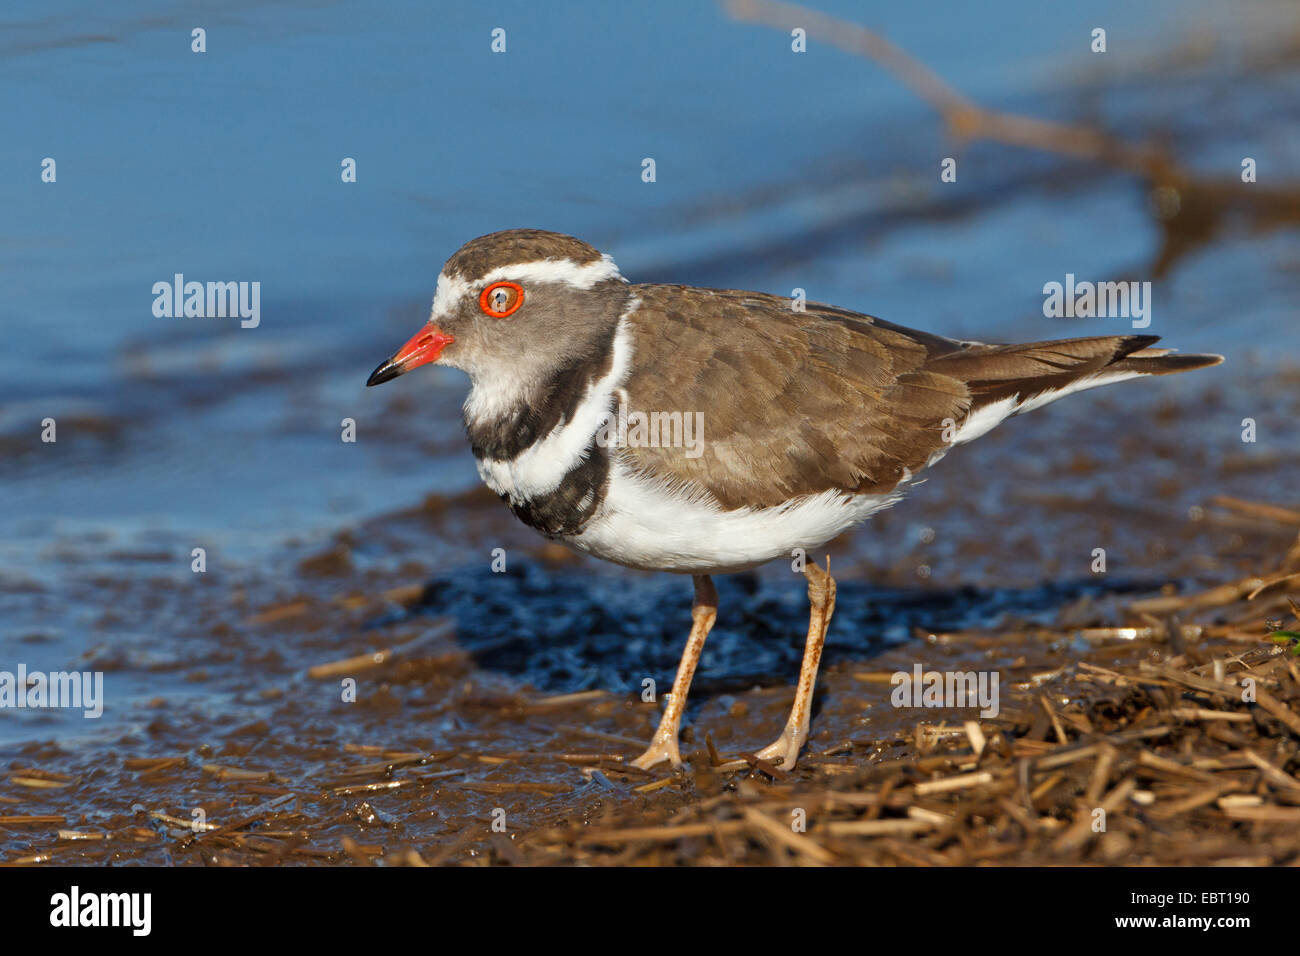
480, 256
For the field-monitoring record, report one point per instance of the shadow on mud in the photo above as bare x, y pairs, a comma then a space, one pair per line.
561, 632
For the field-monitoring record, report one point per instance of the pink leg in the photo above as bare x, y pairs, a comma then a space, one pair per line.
663, 746
821, 596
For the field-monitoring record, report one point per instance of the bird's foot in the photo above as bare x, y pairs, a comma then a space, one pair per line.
785, 748
660, 749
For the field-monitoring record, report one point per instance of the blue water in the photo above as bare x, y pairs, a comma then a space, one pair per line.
774, 171
226, 164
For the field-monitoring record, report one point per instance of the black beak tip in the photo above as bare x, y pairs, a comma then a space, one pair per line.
386, 372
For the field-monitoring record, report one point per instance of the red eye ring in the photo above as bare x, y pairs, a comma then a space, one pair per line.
509, 309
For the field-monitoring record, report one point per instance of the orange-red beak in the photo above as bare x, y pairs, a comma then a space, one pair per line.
424, 347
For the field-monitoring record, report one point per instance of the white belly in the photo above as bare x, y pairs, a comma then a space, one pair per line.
643, 525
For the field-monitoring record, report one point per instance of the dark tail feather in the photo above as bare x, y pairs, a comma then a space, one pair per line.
1164, 362
995, 372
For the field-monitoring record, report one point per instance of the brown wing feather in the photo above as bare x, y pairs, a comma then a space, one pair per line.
995, 372
793, 403
798, 403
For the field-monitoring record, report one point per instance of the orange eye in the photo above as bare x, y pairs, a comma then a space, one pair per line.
501, 299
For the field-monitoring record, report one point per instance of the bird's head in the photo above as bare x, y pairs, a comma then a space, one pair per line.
519, 303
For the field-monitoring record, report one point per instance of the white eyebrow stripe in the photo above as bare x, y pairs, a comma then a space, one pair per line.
579, 276
452, 288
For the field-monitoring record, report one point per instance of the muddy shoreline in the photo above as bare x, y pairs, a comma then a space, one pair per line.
479, 694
